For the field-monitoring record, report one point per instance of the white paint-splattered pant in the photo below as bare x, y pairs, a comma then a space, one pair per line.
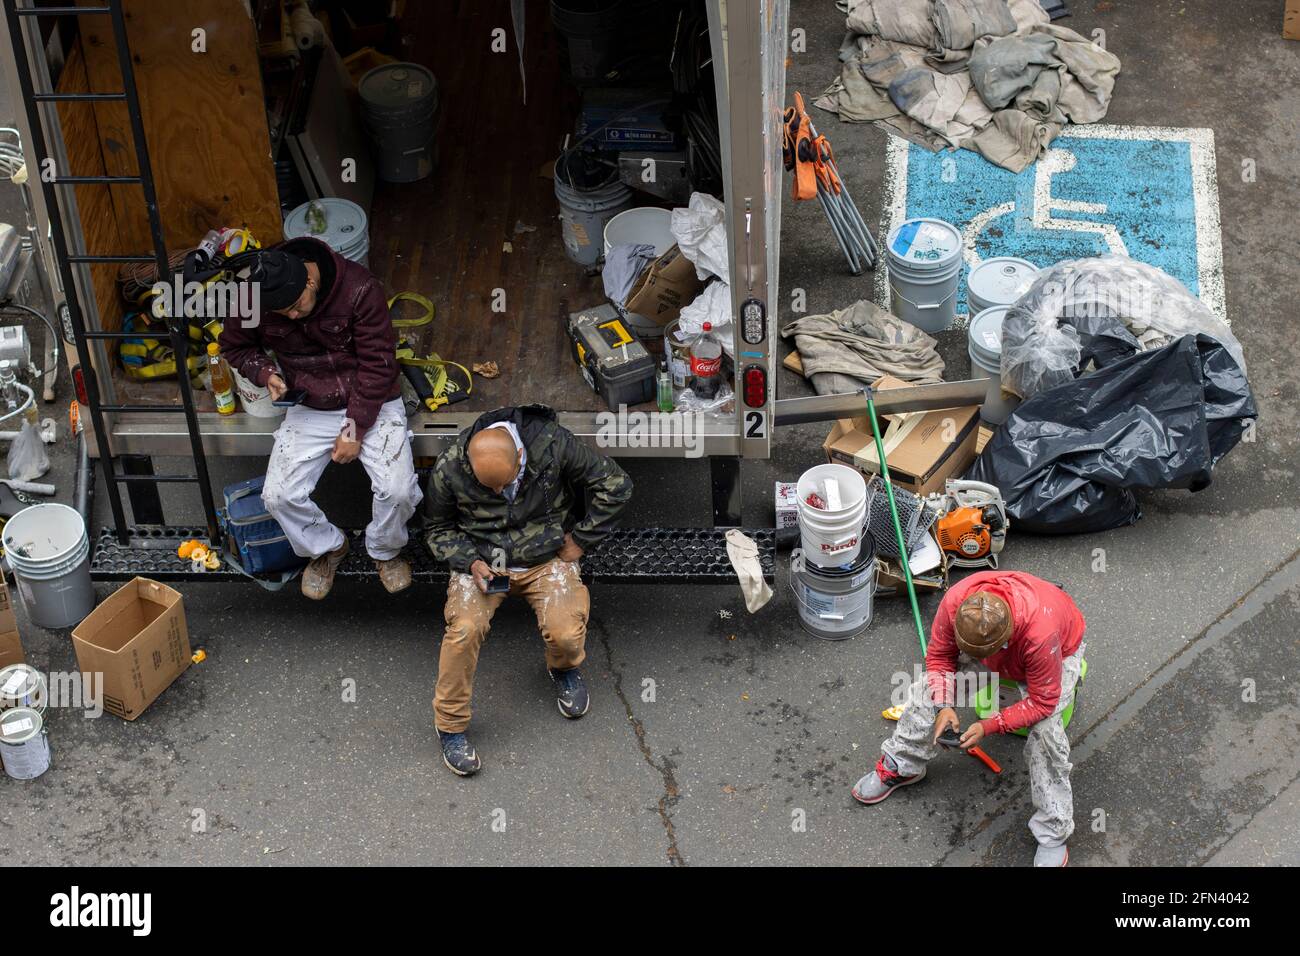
1047, 752
303, 444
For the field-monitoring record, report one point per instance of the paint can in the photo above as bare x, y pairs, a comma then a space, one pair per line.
24, 745
590, 31
399, 110
835, 604
22, 685
831, 536
985, 347
590, 195
998, 281
49, 550
924, 263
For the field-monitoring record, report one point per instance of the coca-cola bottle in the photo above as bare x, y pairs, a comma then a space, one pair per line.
706, 363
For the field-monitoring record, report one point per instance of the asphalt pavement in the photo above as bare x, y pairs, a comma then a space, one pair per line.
720, 737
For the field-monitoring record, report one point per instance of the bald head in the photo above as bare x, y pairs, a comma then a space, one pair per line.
494, 458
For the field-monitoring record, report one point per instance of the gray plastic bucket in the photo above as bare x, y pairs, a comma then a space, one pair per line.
49, 551
589, 28
924, 262
985, 348
585, 211
835, 604
346, 228
399, 109
998, 281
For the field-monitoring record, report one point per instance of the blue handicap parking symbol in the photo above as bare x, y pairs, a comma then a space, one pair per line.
1146, 193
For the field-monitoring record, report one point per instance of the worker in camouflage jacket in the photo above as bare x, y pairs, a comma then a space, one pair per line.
505, 503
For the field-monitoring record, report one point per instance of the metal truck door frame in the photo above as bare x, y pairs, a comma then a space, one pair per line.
749, 37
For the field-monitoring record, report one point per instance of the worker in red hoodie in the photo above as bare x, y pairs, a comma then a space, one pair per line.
325, 319
1018, 627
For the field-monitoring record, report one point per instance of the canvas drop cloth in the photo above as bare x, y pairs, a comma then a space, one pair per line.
993, 76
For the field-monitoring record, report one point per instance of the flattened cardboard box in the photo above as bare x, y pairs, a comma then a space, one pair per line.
941, 445
138, 640
667, 284
11, 645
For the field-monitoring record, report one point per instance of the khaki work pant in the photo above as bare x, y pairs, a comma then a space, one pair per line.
557, 596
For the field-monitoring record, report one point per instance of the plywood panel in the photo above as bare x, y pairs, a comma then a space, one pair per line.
95, 205
445, 236
204, 115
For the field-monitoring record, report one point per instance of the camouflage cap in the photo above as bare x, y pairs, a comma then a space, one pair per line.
983, 624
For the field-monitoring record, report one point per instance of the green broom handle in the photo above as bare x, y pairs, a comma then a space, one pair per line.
893, 513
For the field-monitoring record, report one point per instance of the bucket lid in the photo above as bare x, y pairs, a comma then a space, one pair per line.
18, 681
1002, 280
985, 331
345, 224
397, 86
43, 534
19, 725
924, 242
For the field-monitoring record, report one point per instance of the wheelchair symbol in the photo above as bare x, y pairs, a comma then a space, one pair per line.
1044, 206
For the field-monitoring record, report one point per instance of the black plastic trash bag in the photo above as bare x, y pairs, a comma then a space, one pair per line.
1069, 459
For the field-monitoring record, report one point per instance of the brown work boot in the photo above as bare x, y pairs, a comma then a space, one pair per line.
318, 577
395, 573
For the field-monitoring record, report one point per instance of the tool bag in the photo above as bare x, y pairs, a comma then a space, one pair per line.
253, 538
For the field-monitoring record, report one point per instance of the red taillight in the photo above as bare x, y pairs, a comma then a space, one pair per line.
79, 381
755, 386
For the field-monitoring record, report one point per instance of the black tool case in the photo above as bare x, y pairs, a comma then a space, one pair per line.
613, 362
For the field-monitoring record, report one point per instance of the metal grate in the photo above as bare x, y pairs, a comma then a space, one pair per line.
628, 555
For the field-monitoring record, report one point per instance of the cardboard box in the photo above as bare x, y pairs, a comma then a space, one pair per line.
138, 640
666, 285
787, 504
1291, 20
934, 446
11, 645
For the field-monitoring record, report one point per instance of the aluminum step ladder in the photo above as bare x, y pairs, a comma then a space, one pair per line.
117, 474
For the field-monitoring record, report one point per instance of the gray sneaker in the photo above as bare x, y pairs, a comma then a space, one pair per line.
882, 781
1052, 855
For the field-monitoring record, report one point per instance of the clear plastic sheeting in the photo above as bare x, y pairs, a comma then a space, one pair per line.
1085, 313
1069, 459
701, 233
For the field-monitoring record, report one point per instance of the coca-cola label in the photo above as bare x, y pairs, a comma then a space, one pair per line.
703, 368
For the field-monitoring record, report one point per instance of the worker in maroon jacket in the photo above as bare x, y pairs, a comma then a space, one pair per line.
1018, 627
326, 321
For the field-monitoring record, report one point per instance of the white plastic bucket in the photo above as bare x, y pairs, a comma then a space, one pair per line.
49, 550
648, 225
998, 281
832, 537
256, 399
835, 604
985, 348
924, 262
586, 210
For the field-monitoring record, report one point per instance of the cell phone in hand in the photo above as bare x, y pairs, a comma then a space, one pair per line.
295, 396
950, 738
498, 584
